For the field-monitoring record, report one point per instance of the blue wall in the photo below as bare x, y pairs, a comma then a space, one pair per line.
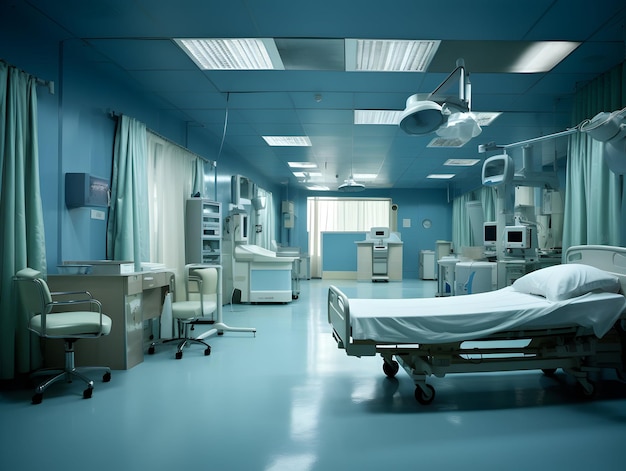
76, 134
414, 205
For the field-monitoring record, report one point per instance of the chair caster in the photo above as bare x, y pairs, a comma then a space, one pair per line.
37, 398
207, 351
179, 355
151, 350
106, 377
87, 393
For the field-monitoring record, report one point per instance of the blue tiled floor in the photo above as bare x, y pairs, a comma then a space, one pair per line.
288, 399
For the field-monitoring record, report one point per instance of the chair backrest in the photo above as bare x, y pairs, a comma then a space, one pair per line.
34, 293
208, 275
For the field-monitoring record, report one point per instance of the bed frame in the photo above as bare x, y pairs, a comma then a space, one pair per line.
574, 349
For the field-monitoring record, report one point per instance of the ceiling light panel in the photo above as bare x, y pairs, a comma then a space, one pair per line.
441, 176
461, 162
542, 56
302, 164
485, 118
447, 142
232, 54
383, 117
288, 141
365, 176
385, 55
317, 188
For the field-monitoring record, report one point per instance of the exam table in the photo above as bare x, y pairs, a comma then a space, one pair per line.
567, 316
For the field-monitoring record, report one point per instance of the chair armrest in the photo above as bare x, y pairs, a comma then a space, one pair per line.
72, 293
73, 302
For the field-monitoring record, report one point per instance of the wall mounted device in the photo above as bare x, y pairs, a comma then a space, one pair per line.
240, 227
241, 190
82, 189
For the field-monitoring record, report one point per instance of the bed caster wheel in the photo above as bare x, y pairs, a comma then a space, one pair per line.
179, 355
423, 397
207, 351
106, 377
586, 390
87, 393
37, 398
151, 350
391, 369
549, 371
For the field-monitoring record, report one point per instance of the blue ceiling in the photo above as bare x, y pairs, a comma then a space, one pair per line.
135, 36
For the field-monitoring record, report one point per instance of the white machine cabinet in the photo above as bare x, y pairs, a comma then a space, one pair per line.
427, 265
203, 231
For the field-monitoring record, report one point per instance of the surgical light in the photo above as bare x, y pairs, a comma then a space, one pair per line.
439, 112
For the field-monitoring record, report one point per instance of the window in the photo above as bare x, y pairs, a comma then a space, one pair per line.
327, 214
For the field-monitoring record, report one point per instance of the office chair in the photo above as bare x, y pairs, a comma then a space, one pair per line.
48, 319
201, 301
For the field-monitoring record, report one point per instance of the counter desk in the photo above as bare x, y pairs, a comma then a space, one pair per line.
129, 300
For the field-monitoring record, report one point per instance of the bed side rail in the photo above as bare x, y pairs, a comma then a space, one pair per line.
339, 318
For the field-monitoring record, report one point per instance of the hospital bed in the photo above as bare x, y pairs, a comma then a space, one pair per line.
568, 316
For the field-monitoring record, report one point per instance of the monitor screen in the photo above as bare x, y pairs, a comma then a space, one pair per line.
490, 233
379, 233
515, 236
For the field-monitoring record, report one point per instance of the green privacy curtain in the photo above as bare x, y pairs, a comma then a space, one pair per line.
128, 231
22, 241
593, 212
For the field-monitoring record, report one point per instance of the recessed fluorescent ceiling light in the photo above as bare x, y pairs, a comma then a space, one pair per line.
390, 55
461, 162
441, 176
307, 174
447, 142
232, 54
391, 117
365, 176
302, 164
317, 188
542, 56
485, 118
288, 141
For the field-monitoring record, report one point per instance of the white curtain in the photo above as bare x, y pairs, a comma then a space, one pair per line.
461, 228
594, 213
22, 241
173, 175
327, 214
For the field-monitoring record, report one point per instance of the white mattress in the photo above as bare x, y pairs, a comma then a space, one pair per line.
458, 318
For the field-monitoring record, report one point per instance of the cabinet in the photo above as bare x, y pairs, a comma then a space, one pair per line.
427, 265
203, 231
129, 300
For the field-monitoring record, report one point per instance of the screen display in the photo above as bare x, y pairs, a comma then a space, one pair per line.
515, 236
490, 233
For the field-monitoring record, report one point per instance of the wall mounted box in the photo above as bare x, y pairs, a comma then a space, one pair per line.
82, 189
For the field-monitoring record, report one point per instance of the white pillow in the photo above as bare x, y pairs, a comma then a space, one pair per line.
561, 282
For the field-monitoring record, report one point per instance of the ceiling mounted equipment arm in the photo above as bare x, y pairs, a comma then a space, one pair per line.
606, 127
447, 114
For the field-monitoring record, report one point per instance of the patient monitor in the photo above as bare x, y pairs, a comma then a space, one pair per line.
498, 170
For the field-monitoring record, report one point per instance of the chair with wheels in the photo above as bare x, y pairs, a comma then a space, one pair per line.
68, 315
201, 285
